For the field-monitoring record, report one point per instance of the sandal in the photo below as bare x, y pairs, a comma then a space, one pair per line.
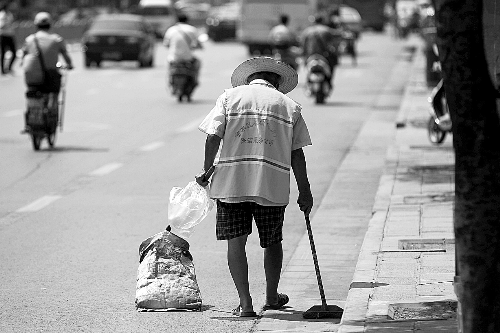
237, 312
282, 300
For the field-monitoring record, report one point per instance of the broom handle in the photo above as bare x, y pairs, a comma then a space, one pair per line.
316, 265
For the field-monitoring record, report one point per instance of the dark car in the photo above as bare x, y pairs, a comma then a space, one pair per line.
222, 21
118, 37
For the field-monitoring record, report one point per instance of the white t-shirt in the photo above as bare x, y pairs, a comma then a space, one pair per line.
181, 39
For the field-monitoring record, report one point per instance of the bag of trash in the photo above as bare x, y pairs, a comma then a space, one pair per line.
166, 276
187, 207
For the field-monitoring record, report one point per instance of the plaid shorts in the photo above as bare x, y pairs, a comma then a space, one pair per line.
235, 220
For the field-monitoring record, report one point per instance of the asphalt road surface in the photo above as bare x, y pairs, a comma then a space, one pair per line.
72, 218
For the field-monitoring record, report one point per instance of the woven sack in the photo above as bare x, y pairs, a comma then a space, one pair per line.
166, 276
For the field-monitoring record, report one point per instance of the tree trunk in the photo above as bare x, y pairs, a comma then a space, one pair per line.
476, 138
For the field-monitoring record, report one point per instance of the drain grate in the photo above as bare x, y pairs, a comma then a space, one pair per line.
438, 310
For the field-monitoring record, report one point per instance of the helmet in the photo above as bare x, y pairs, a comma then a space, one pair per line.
42, 18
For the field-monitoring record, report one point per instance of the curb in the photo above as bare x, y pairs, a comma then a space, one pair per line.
363, 283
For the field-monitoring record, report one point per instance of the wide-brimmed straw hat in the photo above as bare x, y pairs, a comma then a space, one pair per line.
288, 75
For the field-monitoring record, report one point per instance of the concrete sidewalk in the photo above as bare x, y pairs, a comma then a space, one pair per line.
403, 278
407, 262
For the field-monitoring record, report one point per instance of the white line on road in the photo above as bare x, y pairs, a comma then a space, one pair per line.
190, 126
39, 204
152, 146
105, 169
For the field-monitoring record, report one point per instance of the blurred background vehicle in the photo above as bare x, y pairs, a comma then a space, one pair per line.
196, 10
258, 17
371, 11
119, 37
77, 14
222, 21
161, 14
351, 20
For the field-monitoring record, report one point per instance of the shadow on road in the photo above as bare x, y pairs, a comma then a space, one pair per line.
65, 149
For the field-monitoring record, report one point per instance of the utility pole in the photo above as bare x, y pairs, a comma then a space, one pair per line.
471, 96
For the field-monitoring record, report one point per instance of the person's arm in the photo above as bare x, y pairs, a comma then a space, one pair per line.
64, 52
67, 58
305, 199
211, 148
166, 38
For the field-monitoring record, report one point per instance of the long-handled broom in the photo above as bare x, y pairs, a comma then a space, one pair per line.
324, 310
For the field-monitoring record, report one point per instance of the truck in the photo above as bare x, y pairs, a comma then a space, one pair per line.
258, 17
371, 11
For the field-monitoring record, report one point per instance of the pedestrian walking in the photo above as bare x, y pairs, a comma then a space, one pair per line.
7, 37
262, 132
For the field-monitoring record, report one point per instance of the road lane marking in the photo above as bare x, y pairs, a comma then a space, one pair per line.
106, 169
13, 113
190, 126
152, 146
39, 204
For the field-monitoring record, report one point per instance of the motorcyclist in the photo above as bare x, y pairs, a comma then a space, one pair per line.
319, 39
181, 40
282, 40
44, 78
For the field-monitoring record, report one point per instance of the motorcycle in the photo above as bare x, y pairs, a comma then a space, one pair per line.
439, 123
318, 75
183, 78
44, 113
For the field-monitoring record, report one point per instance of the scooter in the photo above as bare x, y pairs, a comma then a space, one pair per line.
182, 78
318, 73
438, 126
44, 113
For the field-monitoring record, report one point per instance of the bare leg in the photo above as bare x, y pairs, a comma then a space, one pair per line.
238, 266
273, 260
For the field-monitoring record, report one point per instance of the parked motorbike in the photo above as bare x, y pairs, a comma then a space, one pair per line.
439, 123
44, 113
182, 78
318, 78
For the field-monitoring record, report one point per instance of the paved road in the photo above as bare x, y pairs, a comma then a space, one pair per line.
71, 218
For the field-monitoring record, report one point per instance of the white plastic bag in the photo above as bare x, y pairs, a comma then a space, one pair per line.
187, 207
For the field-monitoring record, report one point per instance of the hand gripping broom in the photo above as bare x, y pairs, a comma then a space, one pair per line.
324, 310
